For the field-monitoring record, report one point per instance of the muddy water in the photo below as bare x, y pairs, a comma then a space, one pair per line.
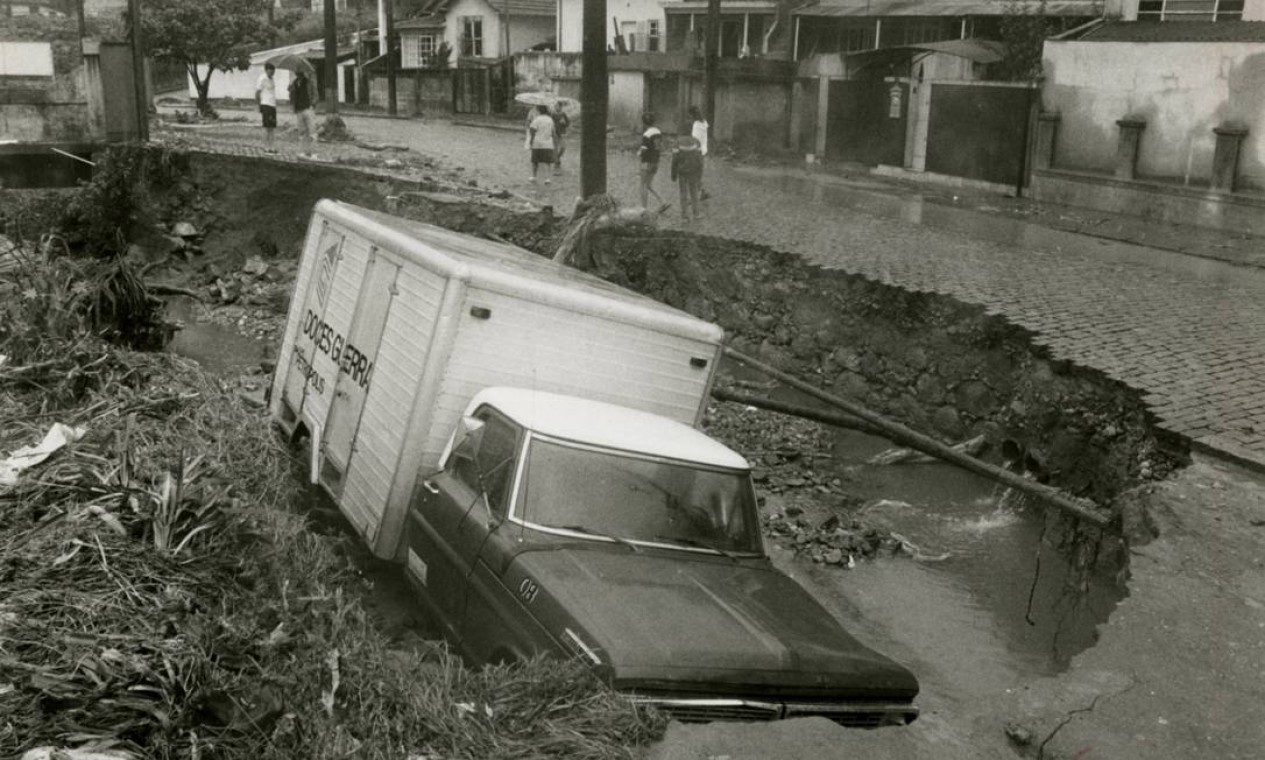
220, 349
986, 572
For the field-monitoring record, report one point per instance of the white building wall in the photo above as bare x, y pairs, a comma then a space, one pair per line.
1253, 10
570, 21
492, 33
527, 31
241, 84
627, 91
1181, 89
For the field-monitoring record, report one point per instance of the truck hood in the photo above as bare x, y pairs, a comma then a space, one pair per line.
671, 619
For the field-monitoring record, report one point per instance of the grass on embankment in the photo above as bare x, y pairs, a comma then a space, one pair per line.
161, 597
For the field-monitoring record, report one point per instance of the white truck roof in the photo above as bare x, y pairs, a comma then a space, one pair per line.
607, 425
508, 269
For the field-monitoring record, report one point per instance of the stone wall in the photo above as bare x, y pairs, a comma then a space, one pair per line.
940, 366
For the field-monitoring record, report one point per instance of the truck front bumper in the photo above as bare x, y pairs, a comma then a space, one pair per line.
851, 714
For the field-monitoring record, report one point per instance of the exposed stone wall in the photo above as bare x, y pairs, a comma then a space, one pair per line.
939, 366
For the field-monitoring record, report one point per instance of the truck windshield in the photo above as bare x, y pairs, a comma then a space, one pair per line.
623, 495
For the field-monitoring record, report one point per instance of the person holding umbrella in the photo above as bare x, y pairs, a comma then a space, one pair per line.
300, 96
304, 111
540, 140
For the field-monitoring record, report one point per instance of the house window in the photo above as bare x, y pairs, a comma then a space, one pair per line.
652, 36
417, 51
1190, 10
472, 36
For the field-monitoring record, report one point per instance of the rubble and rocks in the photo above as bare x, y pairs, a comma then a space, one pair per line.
804, 508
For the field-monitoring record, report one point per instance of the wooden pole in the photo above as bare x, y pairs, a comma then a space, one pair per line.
593, 100
711, 64
331, 59
392, 94
807, 412
138, 71
1082, 509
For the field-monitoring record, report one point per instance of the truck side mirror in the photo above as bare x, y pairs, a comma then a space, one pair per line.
465, 441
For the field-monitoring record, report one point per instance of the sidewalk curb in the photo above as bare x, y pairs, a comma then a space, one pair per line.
486, 125
1219, 448
894, 180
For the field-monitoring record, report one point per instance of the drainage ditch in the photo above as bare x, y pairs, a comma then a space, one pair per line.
990, 566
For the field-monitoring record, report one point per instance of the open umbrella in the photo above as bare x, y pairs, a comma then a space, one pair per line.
292, 62
570, 106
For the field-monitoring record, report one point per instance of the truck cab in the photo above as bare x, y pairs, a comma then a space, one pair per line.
577, 528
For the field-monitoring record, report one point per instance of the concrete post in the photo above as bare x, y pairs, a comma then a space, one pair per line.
1225, 160
823, 102
797, 117
1127, 148
920, 123
1047, 132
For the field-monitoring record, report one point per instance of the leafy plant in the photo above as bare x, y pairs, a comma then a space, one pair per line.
1024, 27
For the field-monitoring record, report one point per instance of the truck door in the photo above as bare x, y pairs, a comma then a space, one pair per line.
302, 378
355, 359
449, 521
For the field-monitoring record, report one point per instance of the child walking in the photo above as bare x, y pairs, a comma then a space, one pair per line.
648, 161
687, 171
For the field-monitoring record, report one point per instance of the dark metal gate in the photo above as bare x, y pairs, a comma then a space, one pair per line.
483, 88
979, 131
865, 121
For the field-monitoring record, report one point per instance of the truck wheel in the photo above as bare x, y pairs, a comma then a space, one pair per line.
504, 657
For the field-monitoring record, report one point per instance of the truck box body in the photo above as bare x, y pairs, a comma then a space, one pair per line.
395, 325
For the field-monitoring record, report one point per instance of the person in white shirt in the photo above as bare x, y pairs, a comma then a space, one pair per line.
540, 141
698, 130
266, 96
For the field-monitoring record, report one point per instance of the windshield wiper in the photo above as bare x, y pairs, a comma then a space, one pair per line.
595, 534
696, 544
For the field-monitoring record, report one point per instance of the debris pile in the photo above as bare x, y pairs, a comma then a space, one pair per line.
805, 508
250, 298
832, 542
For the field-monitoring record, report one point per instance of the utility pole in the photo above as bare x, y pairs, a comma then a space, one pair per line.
389, 14
593, 99
711, 53
138, 71
331, 59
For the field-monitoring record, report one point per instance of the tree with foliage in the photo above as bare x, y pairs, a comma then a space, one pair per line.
219, 34
1024, 27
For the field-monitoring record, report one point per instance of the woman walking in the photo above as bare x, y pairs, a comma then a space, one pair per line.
540, 133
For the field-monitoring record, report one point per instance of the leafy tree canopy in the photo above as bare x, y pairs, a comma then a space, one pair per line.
220, 33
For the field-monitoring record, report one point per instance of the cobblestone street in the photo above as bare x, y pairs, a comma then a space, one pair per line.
1188, 331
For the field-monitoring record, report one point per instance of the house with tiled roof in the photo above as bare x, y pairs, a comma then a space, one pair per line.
494, 29
1158, 109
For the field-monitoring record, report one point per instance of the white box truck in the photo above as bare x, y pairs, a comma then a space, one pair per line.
395, 325
519, 435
